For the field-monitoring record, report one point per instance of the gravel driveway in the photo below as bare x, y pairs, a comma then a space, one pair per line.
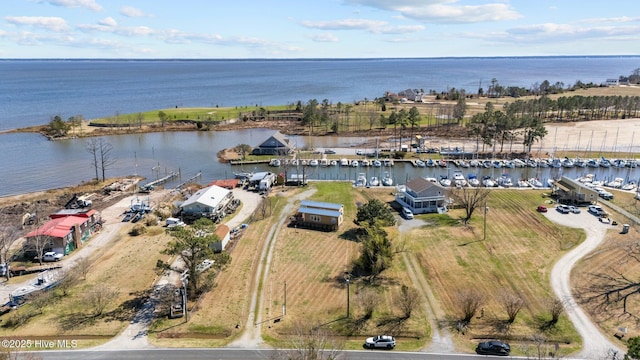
595, 344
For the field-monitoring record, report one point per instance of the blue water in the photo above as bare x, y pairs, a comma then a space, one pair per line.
33, 91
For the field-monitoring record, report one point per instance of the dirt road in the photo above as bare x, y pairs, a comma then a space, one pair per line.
595, 344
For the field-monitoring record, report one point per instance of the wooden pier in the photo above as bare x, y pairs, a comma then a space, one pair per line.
149, 186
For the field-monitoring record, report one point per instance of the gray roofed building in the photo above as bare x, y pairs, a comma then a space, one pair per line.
276, 144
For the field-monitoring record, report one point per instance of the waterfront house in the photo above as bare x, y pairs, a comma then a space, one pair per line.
319, 215
206, 202
276, 144
422, 196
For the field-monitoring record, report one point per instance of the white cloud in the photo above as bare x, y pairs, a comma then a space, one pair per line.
622, 19
372, 26
324, 37
87, 4
444, 11
108, 21
49, 23
130, 11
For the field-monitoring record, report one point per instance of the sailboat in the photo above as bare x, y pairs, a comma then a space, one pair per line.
387, 180
361, 181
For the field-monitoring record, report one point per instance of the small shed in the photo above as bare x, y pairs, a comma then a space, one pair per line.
222, 231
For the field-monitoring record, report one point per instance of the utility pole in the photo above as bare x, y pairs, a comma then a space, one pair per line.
486, 209
348, 297
284, 306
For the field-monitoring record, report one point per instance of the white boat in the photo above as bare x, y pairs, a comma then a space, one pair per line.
568, 163
420, 163
377, 163
523, 183
387, 180
629, 186
344, 162
488, 182
243, 175
295, 162
333, 163
444, 181
324, 162
45, 280
474, 163
388, 162
431, 179
459, 180
534, 182
274, 162
615, 183
519, 163
505, 181
473, 180
354, 163
365, 162
580, 163
374, 181
361, 180
313, 162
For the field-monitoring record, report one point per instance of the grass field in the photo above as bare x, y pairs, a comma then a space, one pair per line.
127, 266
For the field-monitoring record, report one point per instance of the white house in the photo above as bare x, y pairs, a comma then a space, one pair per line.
207, 201
422, 196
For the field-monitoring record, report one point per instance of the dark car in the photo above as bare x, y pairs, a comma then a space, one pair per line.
493, 347
329, 151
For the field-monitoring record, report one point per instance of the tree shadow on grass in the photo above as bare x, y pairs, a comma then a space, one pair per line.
393, 324
76, 320
129, 308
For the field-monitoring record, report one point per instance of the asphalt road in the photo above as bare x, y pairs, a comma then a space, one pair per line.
237, 354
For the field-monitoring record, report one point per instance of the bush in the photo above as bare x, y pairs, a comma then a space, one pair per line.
137, 230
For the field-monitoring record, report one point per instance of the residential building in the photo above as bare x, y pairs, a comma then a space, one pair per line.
569, 191
276, 144
206, 202
319, 215
422, 196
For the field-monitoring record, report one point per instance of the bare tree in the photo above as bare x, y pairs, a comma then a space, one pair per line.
469, 198
469, 302
106, 156
555, 308
610, 291
408, 300
539, 347
38, 242
512, 304
9, 233
311, 343
82, 267
100, 297
92, 147
368, 299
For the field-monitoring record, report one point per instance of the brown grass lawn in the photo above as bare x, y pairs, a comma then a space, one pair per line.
612, 257
520, 250
128, 265
214, 318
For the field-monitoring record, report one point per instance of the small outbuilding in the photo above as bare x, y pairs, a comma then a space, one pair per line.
319, 215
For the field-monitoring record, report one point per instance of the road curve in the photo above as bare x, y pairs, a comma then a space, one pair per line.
595, 344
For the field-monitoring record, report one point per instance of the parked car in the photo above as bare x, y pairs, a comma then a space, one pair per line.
493, 347
564, 209
407, 213
329, 151
52, 256
4, 267
606, 195
574, 209
380, 342
542, 208
596, 210
359, 152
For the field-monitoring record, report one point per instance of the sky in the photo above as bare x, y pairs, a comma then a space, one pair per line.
229, 29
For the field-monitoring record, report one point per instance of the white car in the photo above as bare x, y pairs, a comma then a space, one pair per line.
380, 342
407, 213
574, 209
564, 209
596, 210
52, 256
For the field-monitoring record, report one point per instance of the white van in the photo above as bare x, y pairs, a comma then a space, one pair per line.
173, 222
407, 213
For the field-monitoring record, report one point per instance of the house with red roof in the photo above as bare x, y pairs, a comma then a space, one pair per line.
65, 232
